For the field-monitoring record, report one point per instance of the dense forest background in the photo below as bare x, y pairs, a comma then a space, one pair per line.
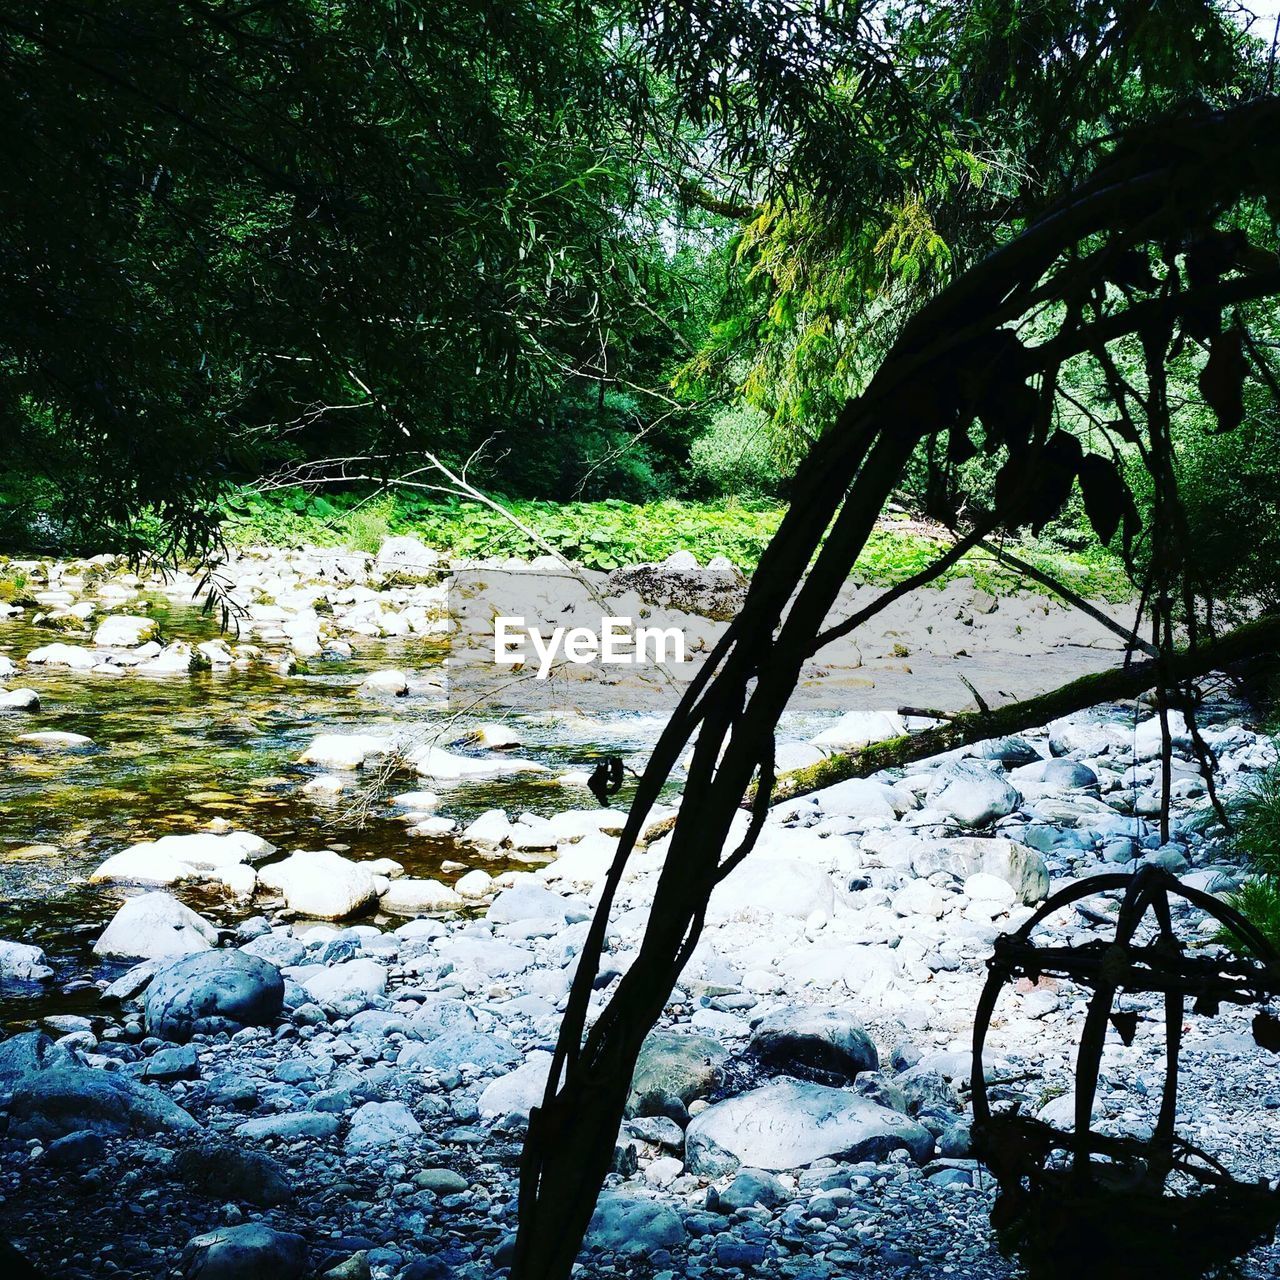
579, 252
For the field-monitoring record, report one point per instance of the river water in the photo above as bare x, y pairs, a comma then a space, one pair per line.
175, 752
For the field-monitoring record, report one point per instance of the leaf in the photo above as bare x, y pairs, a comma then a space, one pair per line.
606, 779
1222, 378
960, 448
1133, 270
1106, 497
1266, 1032
1126, 1025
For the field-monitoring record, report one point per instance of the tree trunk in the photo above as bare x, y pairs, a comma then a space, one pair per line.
1249, 641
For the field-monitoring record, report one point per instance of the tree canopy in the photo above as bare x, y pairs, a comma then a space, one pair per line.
548, 238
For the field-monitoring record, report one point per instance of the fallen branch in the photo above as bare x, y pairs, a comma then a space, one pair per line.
1250, 640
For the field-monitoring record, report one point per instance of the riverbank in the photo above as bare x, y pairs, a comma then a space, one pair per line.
350, 1093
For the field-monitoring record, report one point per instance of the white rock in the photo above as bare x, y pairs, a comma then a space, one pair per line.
919, 898
321, 883
73, 743
416, 800
491, 829
327, 785
435, 762
519, 1090
860, 729
346, 988
23, 962
393, 683
346, 750
174, 659
475, 884
19, 700
408, 558
154, 926
378, 1125
125, 631
982, 887
63, 655
406, 897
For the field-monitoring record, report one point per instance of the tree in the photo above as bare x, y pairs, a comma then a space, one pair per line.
240, 233
1154, 244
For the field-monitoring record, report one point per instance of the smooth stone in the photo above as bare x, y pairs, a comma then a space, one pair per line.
125, 631
633, 1226
377, 1125
23, 962
213, 991
962, 856
971, 794
347, 988
517, 1092
155, 926
48, 1104
321, 884
250, 1251
290, 1126
407, 897
789, 1124
673, 1065
831, 1041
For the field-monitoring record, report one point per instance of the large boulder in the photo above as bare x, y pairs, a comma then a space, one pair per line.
634, 1226
172, 859
154, 926
789, 1124
48, 1104
680, 583
251, 1251
828, 1041
321, 884
673, 1065
971, 794
772, 885
23, 962
963, 856
345, 989
213, 991
28, 1052
125, 631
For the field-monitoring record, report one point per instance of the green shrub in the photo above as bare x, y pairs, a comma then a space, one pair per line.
1255, 815
1258, 900
737, 454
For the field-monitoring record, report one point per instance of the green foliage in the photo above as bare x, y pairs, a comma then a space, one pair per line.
1255, 818
911, 158
1255, 815
237, 236
738, 453
1258, 900
610, 533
